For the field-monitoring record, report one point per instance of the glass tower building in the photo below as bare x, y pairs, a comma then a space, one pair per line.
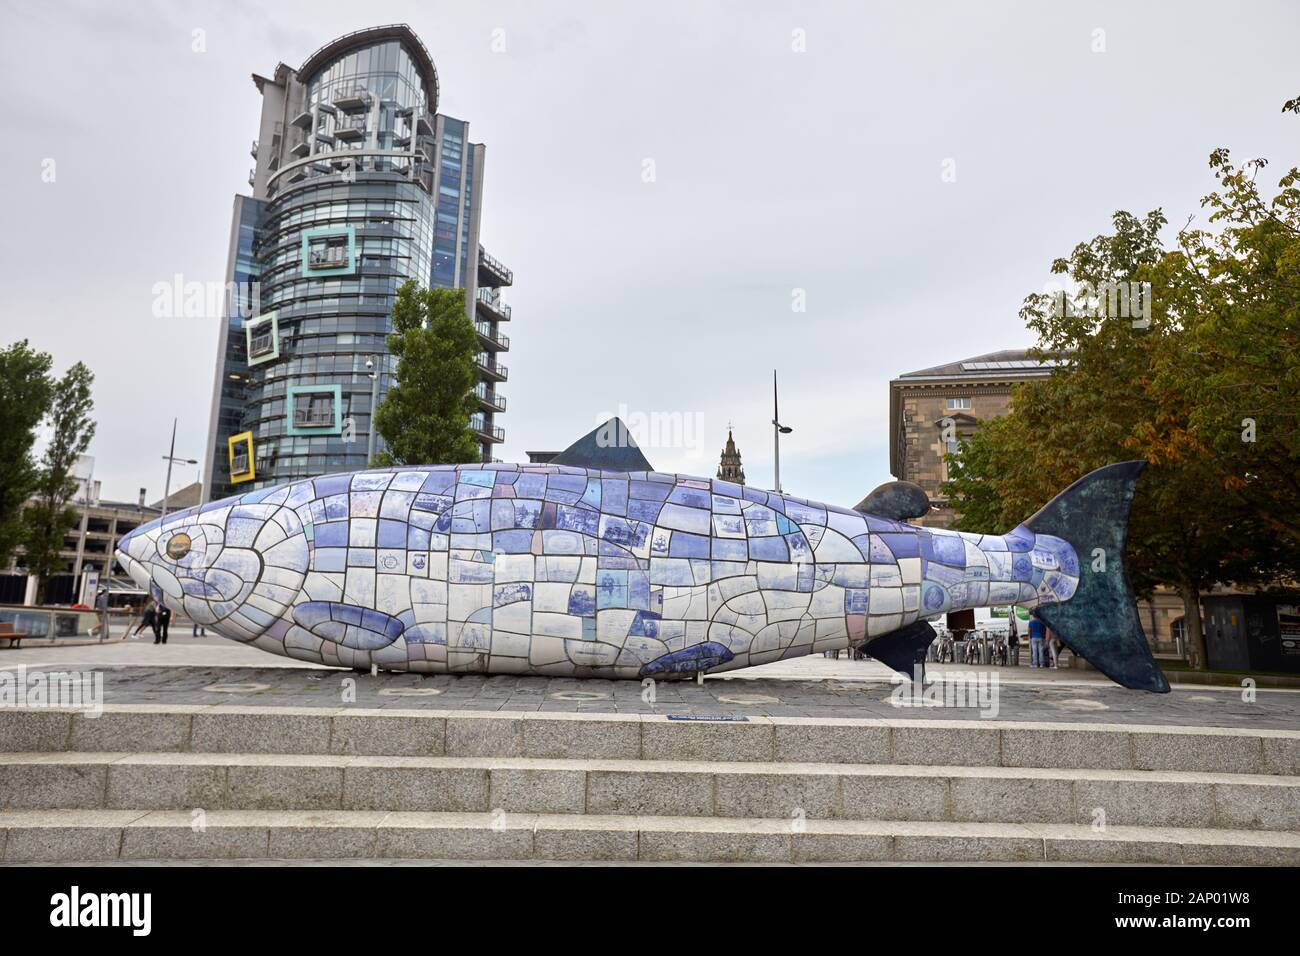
359, 185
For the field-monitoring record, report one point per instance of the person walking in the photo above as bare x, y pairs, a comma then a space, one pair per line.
164, 618
1037, 637
1053, 647
148, 619
1013, 637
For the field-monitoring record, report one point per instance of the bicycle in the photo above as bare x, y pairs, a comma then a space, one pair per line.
1000, 653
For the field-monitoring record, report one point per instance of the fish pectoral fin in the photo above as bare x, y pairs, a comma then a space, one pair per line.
902, 649
609, 446
346, 624
897, 500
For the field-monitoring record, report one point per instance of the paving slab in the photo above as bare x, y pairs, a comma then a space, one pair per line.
843, 689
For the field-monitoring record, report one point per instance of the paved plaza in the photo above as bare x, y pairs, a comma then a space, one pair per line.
213, 670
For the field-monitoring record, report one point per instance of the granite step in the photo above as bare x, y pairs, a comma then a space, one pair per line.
549, 735
746, 789
128, 835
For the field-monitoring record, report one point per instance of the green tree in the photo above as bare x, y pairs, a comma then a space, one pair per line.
1122, 394
1238, 369
424, 416
50, 516
25, 389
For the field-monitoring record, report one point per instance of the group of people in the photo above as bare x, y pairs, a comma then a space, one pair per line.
157, 616
1043, 643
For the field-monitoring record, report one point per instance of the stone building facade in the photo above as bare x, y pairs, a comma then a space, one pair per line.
933, 409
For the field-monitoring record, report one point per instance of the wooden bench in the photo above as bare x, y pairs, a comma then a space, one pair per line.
7, 632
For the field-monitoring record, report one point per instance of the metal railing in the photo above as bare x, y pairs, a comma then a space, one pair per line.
490, 396
494, 303
260, 344
492, 368
51, 624
485, 330
313, 417
495, 432
495, 265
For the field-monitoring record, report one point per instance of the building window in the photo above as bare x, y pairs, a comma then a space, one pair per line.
240, 449
313, 410
328, 252
955, 403
262, 338
261, 342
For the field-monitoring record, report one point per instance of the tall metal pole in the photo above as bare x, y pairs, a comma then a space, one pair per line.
777, 431
172, 459
374, 402
167, 488
776, 436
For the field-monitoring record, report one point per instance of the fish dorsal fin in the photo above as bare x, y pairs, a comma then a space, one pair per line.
898, 500
609, 446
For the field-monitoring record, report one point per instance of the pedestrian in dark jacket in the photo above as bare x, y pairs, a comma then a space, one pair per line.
164, 618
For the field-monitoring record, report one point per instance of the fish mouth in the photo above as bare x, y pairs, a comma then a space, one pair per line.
134, 569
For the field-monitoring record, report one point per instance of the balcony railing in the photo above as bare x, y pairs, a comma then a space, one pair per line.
494, 304
352, 101
261, 344
496, 267
502, 342
491, 433
491, 368
490, 397
253, 151
313, 417
352, 129
328, 257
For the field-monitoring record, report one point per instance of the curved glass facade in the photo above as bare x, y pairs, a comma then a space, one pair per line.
385, 70
330, 325
357, 189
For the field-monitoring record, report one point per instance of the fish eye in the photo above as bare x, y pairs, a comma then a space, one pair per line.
178, 546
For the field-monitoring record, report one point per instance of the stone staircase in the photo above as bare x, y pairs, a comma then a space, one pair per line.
225, 782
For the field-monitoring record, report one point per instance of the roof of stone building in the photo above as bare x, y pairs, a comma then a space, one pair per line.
992, 370
1007, 361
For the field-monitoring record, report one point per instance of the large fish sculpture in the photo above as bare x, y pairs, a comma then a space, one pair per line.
595, 565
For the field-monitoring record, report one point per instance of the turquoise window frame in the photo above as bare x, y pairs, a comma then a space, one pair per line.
318, 232
253, 323
291, 402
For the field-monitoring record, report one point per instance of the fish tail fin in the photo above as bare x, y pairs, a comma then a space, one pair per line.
1100, 622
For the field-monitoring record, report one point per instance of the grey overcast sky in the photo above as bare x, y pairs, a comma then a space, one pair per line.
775, 170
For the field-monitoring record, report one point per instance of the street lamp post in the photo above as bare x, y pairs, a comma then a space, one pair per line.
777, 431
171, 459
374, 402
